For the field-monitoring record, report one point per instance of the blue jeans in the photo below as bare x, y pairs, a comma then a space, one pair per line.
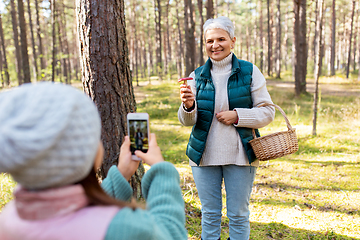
238, 185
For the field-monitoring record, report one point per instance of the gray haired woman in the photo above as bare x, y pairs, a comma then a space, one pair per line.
222, 104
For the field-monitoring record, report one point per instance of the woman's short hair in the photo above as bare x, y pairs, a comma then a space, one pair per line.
221, 22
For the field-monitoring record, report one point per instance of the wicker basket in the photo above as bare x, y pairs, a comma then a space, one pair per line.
277, 144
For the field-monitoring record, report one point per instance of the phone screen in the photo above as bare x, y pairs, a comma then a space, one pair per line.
138, 131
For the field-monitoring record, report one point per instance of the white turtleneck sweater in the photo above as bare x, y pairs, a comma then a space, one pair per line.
223, 144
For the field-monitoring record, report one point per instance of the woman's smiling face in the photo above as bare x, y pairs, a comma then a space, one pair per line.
218, 43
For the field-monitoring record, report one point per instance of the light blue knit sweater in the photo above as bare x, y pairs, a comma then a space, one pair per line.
164, 217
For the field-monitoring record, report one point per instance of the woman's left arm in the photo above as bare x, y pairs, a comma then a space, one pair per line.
256, 117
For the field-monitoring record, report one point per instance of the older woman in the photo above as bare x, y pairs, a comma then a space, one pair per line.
221, 104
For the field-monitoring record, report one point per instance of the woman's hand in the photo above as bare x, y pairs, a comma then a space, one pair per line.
153, 155
126, 165
227, 117
186, 95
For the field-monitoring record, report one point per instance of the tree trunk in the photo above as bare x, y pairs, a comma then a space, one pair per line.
350, 40
261, 36
106, 75
36, 72
269, 38
40, 47
333, 32
3, 48
53, 62
300, 58
16, 42
23, 39
149, 48
157, 11
278, 41
190, 50
209, 9
359, 46
201, 38
318, 30
286, 40
67, 61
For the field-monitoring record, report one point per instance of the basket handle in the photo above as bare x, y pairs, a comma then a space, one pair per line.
281, 111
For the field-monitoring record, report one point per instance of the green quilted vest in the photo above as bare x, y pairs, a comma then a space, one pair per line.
239, 94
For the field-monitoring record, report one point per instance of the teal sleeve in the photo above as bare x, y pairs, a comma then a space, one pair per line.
164, 217
116, 185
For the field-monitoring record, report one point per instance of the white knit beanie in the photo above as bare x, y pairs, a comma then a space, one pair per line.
49, 135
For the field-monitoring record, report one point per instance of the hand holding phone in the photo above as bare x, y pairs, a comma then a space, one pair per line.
153, 155
126, 165
138, 132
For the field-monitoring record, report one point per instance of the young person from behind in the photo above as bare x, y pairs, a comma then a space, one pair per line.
50, 144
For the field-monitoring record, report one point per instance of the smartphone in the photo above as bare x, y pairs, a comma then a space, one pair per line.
139, 132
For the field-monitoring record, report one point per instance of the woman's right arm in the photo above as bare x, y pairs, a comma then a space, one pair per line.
185, 116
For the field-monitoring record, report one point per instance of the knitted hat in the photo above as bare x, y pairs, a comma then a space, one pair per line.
49, 134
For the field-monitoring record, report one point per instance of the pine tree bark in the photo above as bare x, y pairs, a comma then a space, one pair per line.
16, 42
269, 65
318, 58
3, 48
209, 9
333, 32
24, 45
190, 50
53, 62
201, 52
180, 47
105, 74
261, 35
157, 12
278, 41
300, 46
350, 40
36, 72
149, 49
40, 47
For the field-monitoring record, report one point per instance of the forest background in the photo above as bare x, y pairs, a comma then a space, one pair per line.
39, 42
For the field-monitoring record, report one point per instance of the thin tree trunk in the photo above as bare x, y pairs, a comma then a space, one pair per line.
6, 69
157, 11
190, 51
209, 9
106, 74
36, 71
333, 32
62, 22
149, 48
359, 45
201, 52
180, 43
269, 38
23, 39
300, 45
286, 40
278, 40
40, 47
261, 35
53, 8
16, 42
62, 45
350, 40
318, 40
